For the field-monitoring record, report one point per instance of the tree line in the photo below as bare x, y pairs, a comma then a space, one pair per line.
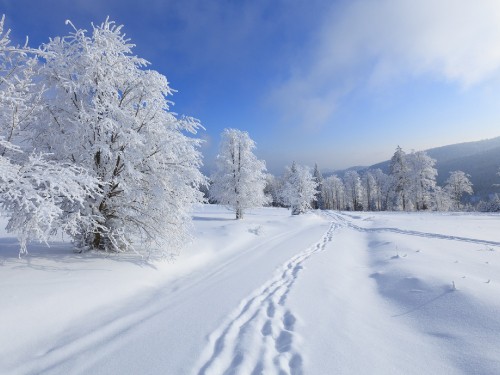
241, 181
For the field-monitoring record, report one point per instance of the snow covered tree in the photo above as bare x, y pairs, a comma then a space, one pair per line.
318, 178
422, 179
368, 183
273, 189
457, 185
400, 172
299, 188
353, 191
492, 205
106, 113
334, 193
240, 178
38, 196
382, 189
442, 199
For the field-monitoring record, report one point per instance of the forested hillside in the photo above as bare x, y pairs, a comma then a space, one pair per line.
481, 160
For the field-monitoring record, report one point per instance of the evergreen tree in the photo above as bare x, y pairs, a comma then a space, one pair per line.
318, 203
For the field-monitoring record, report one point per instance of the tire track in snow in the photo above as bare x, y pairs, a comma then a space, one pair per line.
259, 337
346, 223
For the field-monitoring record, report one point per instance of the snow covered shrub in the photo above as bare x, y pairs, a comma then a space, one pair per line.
240, 178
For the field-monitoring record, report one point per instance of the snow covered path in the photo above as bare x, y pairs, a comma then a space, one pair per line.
258, 336
384, 293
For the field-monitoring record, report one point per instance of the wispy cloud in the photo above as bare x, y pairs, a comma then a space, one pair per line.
366, 43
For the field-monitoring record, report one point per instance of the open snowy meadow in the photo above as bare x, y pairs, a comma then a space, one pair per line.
321, 293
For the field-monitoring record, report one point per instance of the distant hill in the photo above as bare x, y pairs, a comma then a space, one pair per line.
481, 160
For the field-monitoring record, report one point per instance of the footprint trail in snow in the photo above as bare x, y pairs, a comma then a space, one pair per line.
259, 336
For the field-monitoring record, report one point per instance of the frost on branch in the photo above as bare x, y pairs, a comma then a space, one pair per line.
42, 197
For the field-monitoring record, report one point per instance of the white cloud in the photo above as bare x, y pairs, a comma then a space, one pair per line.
374, 42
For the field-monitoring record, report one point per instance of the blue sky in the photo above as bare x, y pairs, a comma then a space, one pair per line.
340, 83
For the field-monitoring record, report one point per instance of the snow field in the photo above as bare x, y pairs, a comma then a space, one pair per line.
414, 271
320, 293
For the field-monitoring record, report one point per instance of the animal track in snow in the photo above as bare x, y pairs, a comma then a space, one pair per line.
259, 337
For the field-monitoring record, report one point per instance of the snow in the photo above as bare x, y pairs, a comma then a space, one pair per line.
320, 293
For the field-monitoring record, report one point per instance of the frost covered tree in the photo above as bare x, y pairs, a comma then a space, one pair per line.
333, 193
492, 205
400, 173
38, 196
413, 180
105, 112
299, 188
353, 191
273, 189
422, 179
457, 185
382, 189
442, 199
318, 177
240, 178
369, 185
